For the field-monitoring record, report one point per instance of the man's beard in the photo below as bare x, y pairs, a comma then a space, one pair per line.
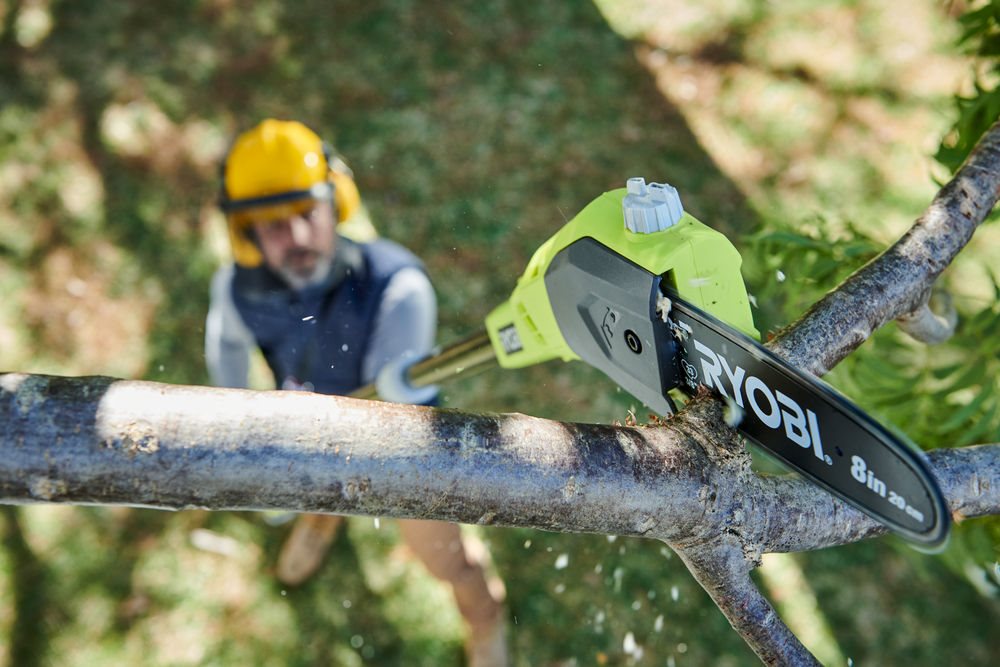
300, 274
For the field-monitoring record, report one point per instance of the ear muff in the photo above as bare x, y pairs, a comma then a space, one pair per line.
346, 196
245, 250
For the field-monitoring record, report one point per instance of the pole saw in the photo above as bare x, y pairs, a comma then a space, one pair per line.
644, 292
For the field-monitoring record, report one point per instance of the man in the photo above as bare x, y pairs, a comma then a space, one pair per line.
331, 315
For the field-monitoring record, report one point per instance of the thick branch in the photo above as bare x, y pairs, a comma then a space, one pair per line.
970, 479
97, 440
895, 283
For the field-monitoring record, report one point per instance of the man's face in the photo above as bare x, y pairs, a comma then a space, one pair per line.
299, 248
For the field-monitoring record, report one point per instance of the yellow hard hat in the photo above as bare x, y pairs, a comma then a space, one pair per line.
275, 170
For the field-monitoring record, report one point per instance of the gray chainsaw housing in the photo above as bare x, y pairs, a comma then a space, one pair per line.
605, 306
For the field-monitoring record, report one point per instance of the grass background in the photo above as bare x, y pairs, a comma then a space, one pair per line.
475, 130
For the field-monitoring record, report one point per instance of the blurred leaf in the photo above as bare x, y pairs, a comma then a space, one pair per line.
983, 426
944, 371
971, 376
959, 417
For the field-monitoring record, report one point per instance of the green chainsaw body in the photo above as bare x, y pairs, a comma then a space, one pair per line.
699, 263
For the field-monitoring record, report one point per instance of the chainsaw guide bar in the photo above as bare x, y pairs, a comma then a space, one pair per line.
811, 427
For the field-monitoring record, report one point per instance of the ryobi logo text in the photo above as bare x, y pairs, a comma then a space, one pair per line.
773, 408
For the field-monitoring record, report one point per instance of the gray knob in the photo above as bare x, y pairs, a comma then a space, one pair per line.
651, 208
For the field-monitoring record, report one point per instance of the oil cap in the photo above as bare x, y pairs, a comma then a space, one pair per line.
650, 208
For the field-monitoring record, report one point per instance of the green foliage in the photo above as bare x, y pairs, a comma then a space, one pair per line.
788, 267
976, 113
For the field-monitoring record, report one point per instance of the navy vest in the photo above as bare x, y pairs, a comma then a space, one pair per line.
319, 335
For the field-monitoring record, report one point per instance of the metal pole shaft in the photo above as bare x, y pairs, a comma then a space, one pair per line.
474, 353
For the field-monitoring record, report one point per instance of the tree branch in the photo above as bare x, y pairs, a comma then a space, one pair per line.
110, 442
723, 571
96, 440
805, 520
895, 283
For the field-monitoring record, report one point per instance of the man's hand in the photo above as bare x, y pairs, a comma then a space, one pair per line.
393, 385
